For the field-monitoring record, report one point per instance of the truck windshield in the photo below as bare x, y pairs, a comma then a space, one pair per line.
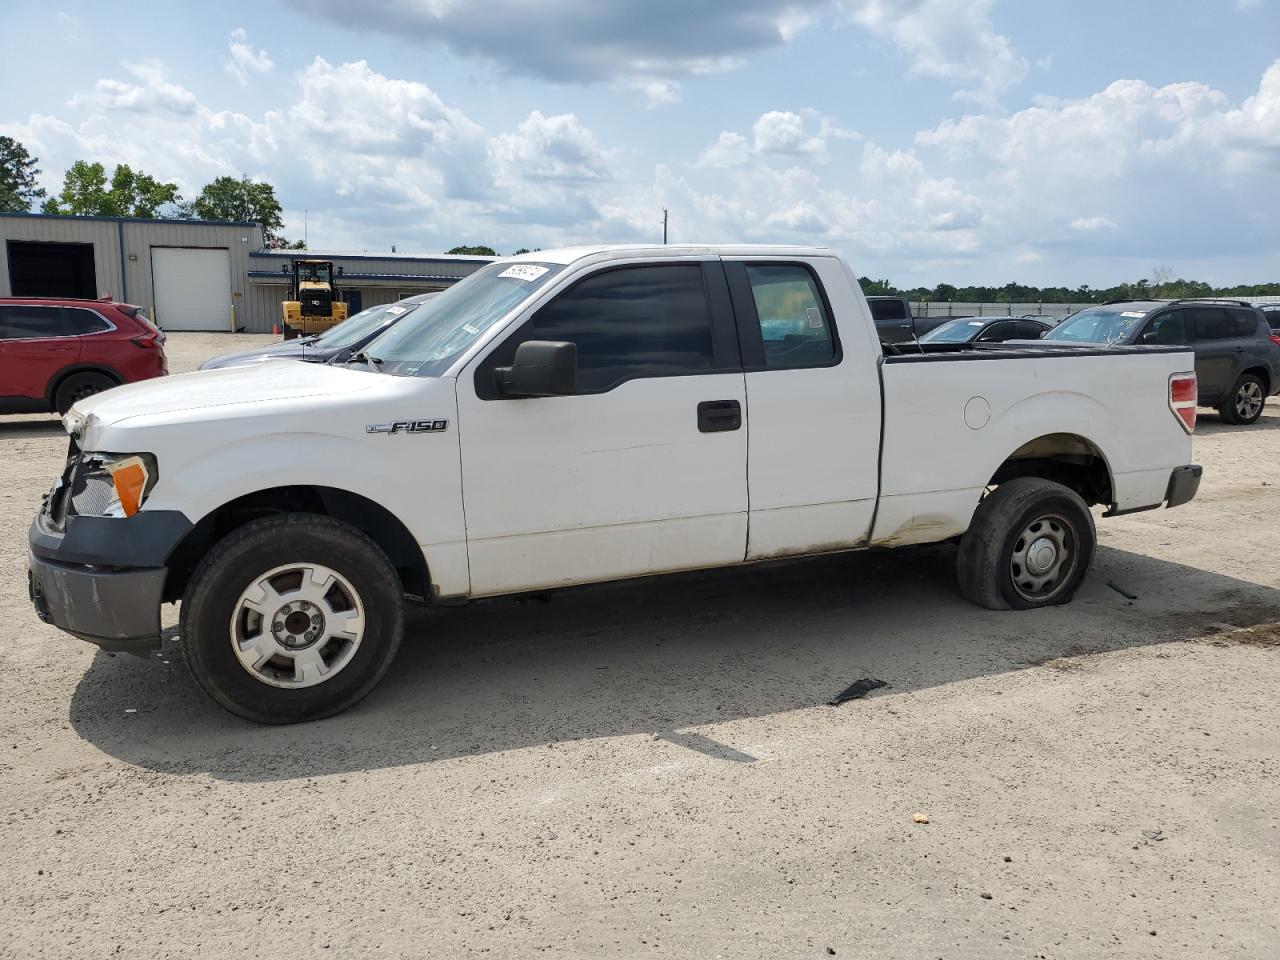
429, 340
1110, 324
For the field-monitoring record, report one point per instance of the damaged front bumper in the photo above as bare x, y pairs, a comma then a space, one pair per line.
102, 579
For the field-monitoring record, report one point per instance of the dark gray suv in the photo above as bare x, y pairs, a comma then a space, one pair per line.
1237, 354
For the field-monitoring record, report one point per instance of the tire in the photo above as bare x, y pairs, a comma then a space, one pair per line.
265, 565
78, 386
1244, 404
1027, 523
290, 333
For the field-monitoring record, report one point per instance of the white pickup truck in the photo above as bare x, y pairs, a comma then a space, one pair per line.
575, 416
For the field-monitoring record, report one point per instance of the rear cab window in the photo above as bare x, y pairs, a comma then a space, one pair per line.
793, 321
882, 310
783, 316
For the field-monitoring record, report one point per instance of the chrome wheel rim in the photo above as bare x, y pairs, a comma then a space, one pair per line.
1249, 400
1043, 559
297, 625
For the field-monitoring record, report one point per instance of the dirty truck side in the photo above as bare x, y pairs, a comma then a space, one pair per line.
576, 416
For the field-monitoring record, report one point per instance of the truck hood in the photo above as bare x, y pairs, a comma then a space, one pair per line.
231, 387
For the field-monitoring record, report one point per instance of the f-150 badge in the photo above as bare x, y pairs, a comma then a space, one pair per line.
409, 426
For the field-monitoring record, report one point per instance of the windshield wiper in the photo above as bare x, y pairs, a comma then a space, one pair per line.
362, 357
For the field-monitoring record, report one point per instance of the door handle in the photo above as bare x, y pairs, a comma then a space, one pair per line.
718, 416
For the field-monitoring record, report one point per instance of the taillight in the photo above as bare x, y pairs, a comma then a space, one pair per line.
1275, 338
148, 341
1183, 394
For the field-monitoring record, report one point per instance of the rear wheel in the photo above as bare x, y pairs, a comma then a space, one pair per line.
1030, 545
78, 387
1245, 403
292, 618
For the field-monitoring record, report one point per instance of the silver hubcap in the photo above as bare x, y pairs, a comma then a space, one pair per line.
297, 625
1043, 558
1249, 400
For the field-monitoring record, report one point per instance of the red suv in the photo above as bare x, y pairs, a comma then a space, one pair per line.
55, 352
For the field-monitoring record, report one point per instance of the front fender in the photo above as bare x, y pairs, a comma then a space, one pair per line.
416, 477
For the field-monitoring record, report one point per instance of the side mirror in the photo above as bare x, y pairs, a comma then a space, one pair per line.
541, 368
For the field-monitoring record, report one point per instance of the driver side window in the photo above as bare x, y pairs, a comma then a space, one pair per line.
1168, 328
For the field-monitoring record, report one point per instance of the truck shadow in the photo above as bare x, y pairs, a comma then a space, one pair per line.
657, 657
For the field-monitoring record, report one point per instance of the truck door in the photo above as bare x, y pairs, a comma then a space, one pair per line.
813, 399
644, 470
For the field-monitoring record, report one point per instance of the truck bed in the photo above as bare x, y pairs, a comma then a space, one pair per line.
950, 423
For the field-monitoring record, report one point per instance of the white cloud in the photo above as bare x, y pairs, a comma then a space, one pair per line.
244, 59
730, 150
953, 40
1094, 223
781, 131
153, 92
777, 133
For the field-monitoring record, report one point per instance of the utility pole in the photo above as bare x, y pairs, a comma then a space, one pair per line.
304, 230
664, 226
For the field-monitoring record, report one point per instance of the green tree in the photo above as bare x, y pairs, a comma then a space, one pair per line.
86, 192
18, 172
242, 200
474, 251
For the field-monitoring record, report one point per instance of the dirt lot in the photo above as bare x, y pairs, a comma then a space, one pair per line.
649, 770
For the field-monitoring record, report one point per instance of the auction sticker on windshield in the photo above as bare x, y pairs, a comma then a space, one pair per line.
523, 271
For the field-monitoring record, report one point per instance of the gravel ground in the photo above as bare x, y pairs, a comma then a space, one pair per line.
649, 769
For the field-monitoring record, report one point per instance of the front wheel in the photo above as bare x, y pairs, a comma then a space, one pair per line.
1030, 545
1244, 405
291, 618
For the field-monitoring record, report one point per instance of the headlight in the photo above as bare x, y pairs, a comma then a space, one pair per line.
113, 484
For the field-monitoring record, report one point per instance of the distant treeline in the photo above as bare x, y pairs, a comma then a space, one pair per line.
1019, 293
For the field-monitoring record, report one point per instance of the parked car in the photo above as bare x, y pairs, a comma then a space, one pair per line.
986, 330
576, 416
336, 344
56, 352
1237, 354
895, 322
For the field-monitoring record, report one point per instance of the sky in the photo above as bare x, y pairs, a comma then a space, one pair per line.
959, 141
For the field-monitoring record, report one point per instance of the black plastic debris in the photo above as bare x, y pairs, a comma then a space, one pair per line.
1121, 590
856, 691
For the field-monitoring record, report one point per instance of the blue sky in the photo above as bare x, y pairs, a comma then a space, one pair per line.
967, 141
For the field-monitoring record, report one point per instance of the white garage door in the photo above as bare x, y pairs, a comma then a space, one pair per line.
192, 287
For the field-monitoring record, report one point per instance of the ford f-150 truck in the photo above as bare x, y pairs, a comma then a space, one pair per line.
576, 416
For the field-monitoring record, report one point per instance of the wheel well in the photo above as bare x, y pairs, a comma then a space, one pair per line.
1065, 458
1263, 374
379, 523
59, 379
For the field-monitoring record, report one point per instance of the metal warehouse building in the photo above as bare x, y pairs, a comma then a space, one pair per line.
194, 274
